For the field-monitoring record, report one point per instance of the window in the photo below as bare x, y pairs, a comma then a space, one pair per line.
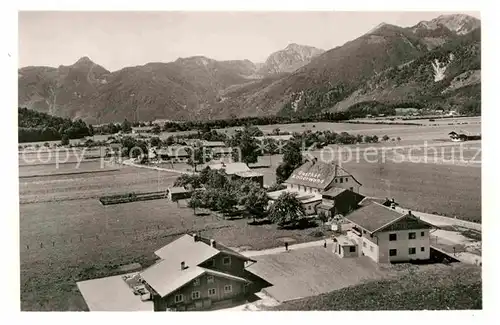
211, 263
422, 249
196, 282
364, 244
393, 237
346, 179
352, 249
195, 295
212, 292
371, 248
210, 279
226, 260
342, 180
412, 250
422, 233
393, 252
179, 298
412, 235
335, 180
228, 288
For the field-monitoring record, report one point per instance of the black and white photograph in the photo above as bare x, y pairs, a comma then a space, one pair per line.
178, 161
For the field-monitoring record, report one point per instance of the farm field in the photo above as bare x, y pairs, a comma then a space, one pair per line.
444, 189
426, 121
89, 185
61, 155
66, 235
405, 132
457, 286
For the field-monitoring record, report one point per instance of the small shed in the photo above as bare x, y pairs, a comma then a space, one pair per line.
344, 246
178, 193
251, 175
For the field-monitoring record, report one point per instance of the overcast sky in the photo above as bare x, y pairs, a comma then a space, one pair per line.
119, 39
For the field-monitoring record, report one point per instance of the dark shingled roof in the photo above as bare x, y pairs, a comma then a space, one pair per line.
333, 192
373, 216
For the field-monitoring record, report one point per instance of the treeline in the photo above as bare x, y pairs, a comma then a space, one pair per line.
256, 120
34, 126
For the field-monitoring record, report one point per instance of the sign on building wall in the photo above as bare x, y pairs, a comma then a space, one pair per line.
310, 177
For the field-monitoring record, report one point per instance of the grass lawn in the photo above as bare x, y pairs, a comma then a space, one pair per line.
454, 286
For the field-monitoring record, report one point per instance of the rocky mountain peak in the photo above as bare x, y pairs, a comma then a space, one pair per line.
457, 23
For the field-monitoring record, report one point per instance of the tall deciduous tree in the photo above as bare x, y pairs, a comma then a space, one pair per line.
248, 149
126, 126
292, 158
195, 201
286, 210
254, 199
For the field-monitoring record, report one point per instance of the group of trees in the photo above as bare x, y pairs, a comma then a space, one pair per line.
216, 191
34, 126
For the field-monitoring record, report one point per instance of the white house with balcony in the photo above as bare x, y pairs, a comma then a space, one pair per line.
384, 235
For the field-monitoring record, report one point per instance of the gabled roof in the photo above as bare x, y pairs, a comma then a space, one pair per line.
173, 151
369, 200
248, 174
166, 276
157, 276
178, 189
222, 150
373, 216
317, 174
213, 144
230, 168
187, 250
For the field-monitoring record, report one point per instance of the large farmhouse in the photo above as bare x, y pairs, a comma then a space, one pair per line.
192, 273
384, 235
196, 273
322, 186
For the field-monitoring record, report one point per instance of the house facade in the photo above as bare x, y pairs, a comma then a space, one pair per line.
175, 154
196, 273
388, 236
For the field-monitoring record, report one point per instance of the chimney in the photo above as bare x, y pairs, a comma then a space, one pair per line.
393, 206
183, 265
212, 243
409, 212
392, 200
195, 237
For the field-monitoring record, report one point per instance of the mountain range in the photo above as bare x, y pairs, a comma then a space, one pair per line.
434, 63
